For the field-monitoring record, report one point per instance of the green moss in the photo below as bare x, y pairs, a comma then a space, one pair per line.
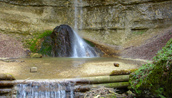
35, 43
154, 79
90, 43
46, 47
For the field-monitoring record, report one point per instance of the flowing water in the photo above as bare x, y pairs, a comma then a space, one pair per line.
45, 89
76, 14
81, 48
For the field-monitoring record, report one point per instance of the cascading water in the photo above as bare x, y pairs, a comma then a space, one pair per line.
76, 14
45, 89
81, 48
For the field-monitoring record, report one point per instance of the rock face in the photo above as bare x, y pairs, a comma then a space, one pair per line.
64, 42
112, 22
29, 16
117, 21
10, 47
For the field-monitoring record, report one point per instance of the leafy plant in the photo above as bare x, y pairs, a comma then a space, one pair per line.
154, 79
35, 43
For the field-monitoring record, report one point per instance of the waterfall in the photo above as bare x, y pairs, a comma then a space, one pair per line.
81, 48
45, 89
81, 15
76, 14
67, 43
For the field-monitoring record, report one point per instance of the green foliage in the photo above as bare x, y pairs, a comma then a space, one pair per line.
46, 47
154, 79
35, 43
90, 43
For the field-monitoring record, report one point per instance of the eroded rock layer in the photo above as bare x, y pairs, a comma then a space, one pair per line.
108, 22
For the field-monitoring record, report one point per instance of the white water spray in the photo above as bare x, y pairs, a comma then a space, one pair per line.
45, 89
76, 14
81, 15
81, 48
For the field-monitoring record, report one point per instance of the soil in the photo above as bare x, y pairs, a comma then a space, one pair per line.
149, 48
10, 47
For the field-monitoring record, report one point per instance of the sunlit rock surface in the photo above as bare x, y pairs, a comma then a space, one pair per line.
112, 21
107, 22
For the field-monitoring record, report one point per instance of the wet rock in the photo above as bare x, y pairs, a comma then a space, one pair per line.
6, 77
66, 42
116, 64
62, 41
33, 69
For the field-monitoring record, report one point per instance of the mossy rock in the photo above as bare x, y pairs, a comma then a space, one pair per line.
35, 55
154, 79
6, 76
40, 44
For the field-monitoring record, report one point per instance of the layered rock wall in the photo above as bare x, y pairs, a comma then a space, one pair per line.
29, 16
115, 21
109, 22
